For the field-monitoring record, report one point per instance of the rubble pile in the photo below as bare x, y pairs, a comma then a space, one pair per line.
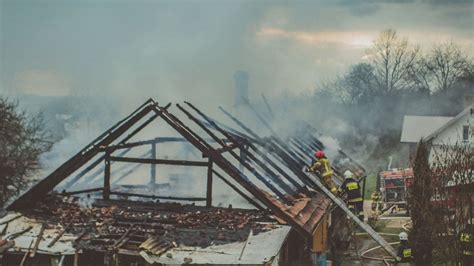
106, 225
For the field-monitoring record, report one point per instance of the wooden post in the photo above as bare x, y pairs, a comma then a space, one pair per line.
76, 259
209, 185
106, 191
153, 166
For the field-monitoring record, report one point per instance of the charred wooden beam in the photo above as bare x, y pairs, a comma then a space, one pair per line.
89, 168
240, 192
69, 193
283, 156
301, 150
153, 166
81, 235
144, 124
254, 171
106, 191
158, 161
59, 235
12, 219
19, 233
23, 260
270, 128
143, 143
227, 166
226, 148
245, 153
119, 242
209, 185
82, 157
157, 197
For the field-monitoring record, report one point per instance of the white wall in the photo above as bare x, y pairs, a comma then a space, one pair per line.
454, 133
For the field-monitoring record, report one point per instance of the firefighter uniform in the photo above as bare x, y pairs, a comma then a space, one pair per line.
404, 256
354, 198
375, 200
323, 166
465, 243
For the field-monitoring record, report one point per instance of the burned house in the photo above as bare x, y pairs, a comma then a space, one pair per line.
127, 198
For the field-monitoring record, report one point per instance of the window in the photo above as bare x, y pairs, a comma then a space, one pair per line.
465, 133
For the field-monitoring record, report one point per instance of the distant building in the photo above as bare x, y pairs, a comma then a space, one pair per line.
458, 130
439, 130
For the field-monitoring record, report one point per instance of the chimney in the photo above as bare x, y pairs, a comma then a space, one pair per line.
241, 79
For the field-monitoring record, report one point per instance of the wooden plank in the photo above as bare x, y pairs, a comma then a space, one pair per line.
106, 191
56, 238
23, 260
69, 193
157, 197
227, 166
38, 240
158, 161
81, 158
153, 166
209, 185
240, 192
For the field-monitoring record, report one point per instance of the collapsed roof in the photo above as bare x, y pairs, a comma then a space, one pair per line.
265, 171
269, 174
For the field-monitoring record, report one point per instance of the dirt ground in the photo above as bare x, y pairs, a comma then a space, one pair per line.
386, 224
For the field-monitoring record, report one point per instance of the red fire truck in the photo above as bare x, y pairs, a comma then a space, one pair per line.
394, 187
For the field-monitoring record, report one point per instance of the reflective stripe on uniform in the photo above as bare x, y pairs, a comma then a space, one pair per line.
465, 237
355, 200
352, 185
407, 253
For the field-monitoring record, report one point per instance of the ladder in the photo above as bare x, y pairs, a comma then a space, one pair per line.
341, 204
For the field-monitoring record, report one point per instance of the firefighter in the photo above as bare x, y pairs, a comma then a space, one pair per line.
375, 200
322, 165
465, 244
375, 205
354, 198
376, 197
404, 256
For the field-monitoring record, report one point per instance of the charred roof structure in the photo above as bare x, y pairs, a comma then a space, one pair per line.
83, 213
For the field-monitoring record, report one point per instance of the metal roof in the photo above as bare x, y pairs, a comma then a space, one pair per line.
416, 128
255, 251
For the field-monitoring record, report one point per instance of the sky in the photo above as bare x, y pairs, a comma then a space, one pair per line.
189, 50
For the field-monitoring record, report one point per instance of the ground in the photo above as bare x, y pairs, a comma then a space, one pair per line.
390, 225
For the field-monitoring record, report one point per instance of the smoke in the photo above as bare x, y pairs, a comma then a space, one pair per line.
331, 145
86, 65
85, 202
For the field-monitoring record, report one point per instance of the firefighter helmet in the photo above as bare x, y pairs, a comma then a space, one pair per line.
348, 174
319, 154
403, 236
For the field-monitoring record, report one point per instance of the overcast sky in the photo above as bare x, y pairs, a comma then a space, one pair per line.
189, 50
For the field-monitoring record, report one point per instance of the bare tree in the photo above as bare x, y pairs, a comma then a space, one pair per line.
446, 64
453, 178
22, 140
359, 84
392, 58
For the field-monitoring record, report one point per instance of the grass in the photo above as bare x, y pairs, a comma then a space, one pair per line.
370, 184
